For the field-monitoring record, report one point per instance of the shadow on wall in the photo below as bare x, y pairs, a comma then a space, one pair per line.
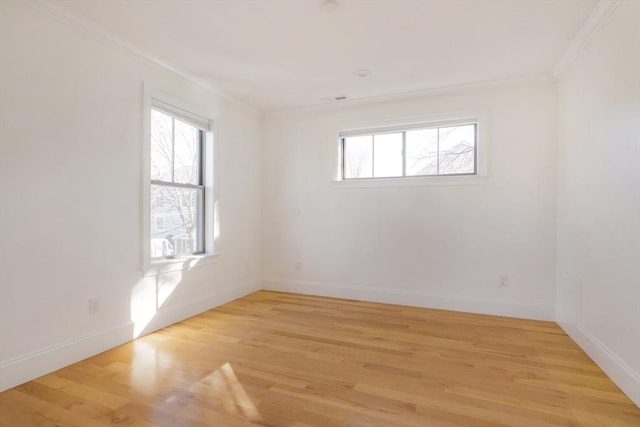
153, 292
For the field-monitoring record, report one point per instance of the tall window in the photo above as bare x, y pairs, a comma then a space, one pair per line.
418, 150
177, 205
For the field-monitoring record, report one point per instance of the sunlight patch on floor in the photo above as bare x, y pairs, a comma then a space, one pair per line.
227, 393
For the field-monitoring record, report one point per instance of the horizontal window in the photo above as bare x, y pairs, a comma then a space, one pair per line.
413, 151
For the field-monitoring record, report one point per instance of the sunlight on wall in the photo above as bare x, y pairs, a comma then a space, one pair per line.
216, 222
149, 295
165, 285
152, 292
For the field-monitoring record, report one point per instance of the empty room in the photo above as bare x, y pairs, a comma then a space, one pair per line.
320, 213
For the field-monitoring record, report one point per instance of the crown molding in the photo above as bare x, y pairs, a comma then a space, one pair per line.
63, 14
594, 22
397, 96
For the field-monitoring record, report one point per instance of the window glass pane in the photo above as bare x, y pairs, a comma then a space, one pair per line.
186, 166
161, 146
176, 223
457, 149
358, 157
422, 152
387, 155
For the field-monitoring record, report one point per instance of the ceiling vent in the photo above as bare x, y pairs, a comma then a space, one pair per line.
334, 98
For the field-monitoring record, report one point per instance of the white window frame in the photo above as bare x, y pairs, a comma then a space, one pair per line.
205, 120
477, 117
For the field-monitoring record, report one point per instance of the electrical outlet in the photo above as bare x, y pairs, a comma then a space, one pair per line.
94, 305
298, 266
503, 281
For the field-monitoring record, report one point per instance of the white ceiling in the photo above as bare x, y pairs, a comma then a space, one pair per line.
277, 54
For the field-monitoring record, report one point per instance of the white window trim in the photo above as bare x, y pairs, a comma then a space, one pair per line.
480, 117
153, 98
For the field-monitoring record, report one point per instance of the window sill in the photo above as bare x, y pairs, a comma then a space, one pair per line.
423, 181
169, 265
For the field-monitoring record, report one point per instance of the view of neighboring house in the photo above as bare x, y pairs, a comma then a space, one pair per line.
170, 234
176, 190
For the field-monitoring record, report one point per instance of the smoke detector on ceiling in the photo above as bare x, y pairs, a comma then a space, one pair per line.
330, 5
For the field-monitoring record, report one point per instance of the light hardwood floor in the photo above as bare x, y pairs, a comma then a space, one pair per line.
282, 359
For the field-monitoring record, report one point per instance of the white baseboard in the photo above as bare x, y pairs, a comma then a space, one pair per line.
32, 365
494, 306
620, 373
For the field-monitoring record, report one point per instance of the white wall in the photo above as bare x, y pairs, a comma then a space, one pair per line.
71, 108
70, 206
599, 199
437, 246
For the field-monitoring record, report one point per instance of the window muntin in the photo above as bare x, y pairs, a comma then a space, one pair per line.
177, 187
415, 151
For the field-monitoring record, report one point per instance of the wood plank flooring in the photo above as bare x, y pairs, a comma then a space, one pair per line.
277, 359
